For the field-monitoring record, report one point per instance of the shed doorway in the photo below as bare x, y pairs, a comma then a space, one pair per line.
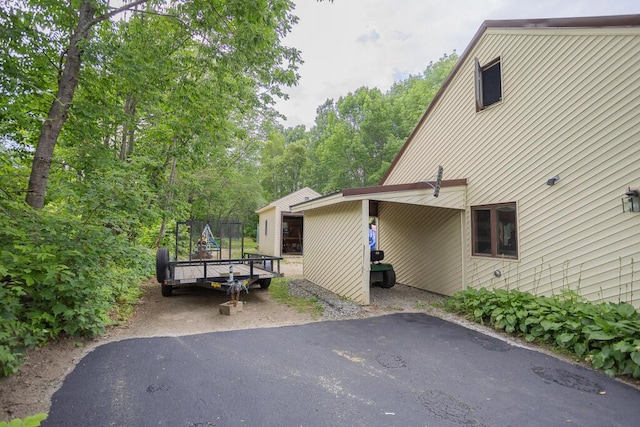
292, 234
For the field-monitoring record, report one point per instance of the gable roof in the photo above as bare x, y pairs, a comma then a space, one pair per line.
581, 22
283, 203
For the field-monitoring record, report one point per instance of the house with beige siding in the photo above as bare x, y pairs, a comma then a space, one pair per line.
280, 231
537, 129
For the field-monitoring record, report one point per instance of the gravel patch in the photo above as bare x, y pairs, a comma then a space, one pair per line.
334, 306
398, 298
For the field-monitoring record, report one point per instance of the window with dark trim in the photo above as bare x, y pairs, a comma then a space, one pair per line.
265, 226
494, 231
488, 84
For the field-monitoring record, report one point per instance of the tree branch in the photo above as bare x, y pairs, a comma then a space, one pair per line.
114, 12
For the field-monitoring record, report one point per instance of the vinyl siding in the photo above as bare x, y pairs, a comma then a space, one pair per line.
424, 245
335, 249
571, 106
273, 213
267, 244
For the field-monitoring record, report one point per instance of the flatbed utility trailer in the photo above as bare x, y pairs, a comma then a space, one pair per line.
252, 270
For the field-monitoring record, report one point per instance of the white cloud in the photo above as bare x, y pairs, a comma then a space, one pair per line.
348, 44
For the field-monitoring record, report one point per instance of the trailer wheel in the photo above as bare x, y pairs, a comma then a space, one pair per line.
162, 265
389, 279
264, 283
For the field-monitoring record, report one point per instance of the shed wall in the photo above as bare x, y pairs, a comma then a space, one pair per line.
267, 243
271, 244
424, 245
570, 107
335, 249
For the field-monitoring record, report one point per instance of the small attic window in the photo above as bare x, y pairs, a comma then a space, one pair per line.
488, 84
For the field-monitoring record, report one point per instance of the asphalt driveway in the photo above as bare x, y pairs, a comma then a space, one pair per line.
394, 370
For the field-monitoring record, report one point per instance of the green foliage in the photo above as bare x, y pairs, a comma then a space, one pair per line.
177, 92
411, 97
31, 421
283, 160
607, 335
59, 275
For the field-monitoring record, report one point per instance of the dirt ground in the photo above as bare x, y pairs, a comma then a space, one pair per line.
195, 311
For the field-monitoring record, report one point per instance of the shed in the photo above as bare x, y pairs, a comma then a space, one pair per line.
280, 231
538, 131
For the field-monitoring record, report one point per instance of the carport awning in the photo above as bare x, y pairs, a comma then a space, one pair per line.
452, 195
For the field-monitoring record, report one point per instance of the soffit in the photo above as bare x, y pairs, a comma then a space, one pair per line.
452, 195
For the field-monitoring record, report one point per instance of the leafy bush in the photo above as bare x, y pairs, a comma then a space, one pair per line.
58, 275
606, 334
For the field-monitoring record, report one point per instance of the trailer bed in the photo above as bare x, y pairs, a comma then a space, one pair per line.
250, 271
198, 272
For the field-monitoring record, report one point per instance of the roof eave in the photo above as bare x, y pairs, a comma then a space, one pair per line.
388, 193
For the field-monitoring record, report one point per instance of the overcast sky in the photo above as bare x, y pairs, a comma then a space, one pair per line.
348, 44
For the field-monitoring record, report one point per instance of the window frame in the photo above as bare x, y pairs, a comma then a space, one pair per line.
493, 219
479, 83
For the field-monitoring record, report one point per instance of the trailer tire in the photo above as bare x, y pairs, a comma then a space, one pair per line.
162, 265
389, 279
264, 283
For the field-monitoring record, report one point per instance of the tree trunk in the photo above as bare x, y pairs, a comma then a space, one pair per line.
128, 129
169, 197
57, 116
58, 112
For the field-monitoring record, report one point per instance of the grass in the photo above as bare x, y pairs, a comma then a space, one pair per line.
279, 291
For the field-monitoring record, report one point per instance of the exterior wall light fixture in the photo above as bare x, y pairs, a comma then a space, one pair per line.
631, 201
553, 180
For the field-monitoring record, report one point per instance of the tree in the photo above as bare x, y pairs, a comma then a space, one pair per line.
69, 70
242, 38
350, 139
283, 160
411, 97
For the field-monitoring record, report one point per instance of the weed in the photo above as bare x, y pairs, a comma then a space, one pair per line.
438, 304
279, 291
31, 421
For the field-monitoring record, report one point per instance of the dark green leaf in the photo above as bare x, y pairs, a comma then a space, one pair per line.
565, 337
601, 336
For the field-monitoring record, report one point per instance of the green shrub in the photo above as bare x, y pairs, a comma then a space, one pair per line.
59, 274
607, 335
